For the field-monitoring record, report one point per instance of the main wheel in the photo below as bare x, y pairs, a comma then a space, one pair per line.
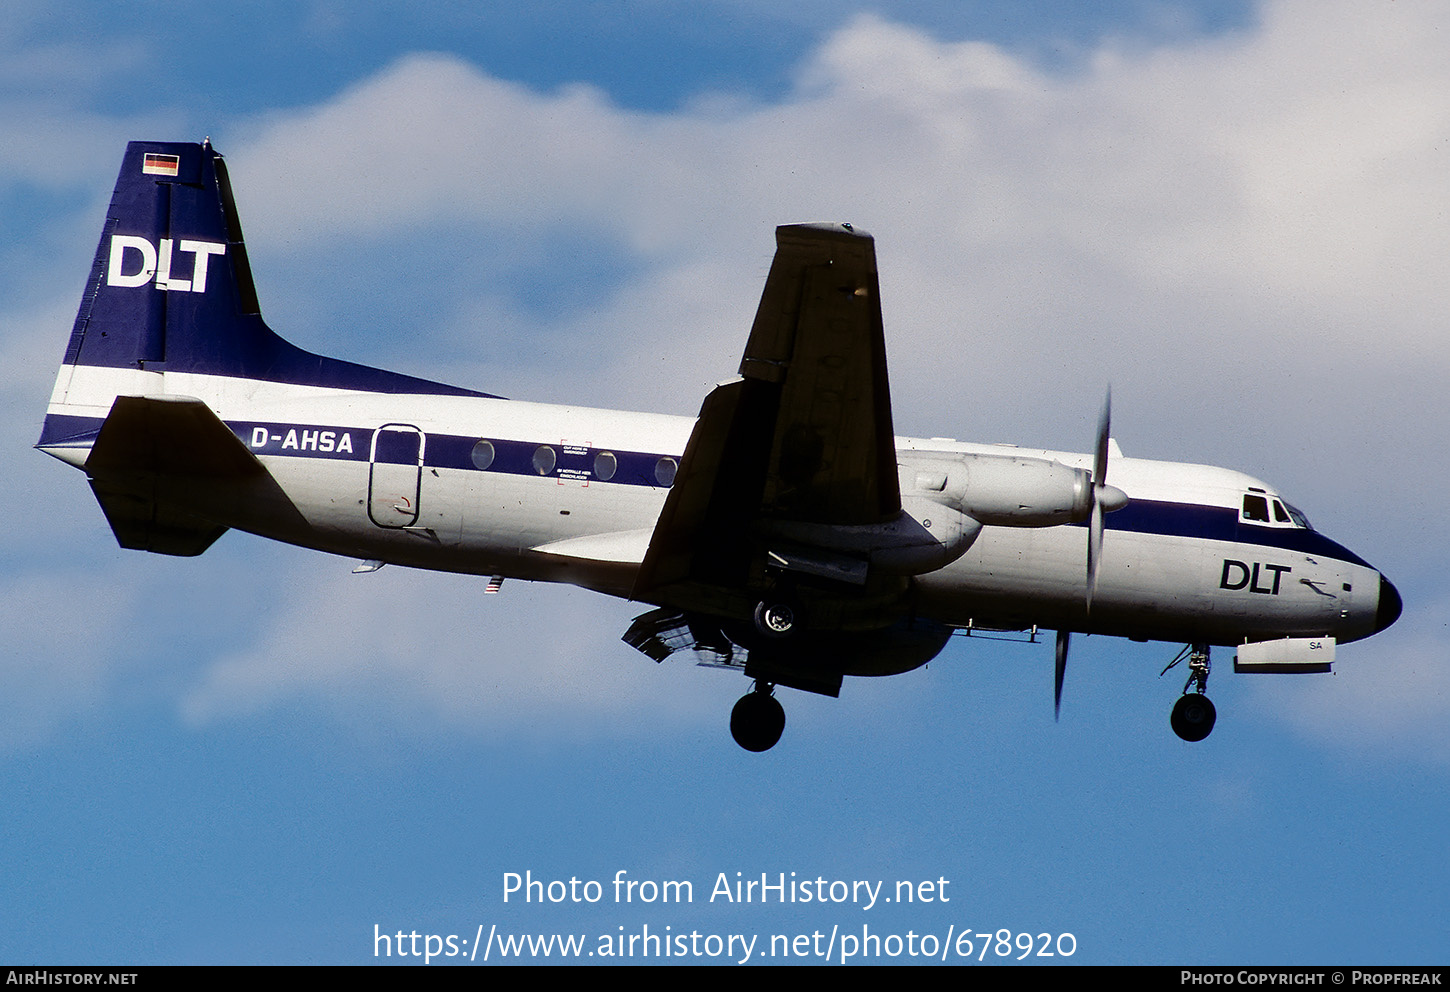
775, 619
1193, 716
757, 721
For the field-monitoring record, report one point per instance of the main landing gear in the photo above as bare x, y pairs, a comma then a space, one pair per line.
758, 719
1193, 715
775, 619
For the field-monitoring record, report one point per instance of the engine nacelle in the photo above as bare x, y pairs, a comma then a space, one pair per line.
926, 535
946, 498
1004, 490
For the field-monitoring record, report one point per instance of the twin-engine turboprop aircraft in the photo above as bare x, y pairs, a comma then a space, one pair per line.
786, 532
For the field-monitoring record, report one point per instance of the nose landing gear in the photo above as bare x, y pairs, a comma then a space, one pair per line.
1193, 715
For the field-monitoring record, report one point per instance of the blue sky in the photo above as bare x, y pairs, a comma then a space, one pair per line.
1235, 213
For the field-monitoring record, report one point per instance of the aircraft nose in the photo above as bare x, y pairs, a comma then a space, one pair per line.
1390, 605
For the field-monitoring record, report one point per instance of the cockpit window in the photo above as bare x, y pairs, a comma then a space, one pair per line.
1297, 515
1261, 508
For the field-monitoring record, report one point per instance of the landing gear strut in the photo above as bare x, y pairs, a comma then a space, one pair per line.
758, 719
1193, 715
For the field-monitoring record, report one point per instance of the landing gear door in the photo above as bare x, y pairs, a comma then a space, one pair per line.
395, 468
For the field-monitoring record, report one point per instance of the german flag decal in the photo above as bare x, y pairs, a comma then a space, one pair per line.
160, 165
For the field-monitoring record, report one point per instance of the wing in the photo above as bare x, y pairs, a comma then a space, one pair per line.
803, 436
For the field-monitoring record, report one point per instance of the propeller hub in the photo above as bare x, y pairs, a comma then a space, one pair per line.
1111, 498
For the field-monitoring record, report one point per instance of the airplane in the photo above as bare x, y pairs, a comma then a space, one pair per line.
786, 532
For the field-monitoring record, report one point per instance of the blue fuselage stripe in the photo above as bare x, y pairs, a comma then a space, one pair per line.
452, 451
1218, 523
638, 468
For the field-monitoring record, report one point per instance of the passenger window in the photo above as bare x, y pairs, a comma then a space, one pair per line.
483, 455
545, 459
1256, 509
605, 465
665, 470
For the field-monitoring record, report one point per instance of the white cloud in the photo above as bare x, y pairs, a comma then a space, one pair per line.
1207, 214
408, 648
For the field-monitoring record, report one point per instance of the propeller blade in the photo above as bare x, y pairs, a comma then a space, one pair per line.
1061, 670
1100, 463
1100, 487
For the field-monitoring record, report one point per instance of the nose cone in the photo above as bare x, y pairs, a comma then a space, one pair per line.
1390, 605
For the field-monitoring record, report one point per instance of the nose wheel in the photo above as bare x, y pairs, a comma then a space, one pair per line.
758, 719
1194, 714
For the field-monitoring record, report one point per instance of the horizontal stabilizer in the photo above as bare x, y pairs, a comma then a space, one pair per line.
155, 454
143, 524
171, 435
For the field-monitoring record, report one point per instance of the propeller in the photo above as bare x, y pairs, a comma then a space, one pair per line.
1100, 476
1062, 639
1106, 498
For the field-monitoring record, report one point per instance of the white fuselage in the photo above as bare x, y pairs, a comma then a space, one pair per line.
572, 494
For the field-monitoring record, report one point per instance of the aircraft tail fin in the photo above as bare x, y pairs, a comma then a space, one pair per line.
171, 291
170, 288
